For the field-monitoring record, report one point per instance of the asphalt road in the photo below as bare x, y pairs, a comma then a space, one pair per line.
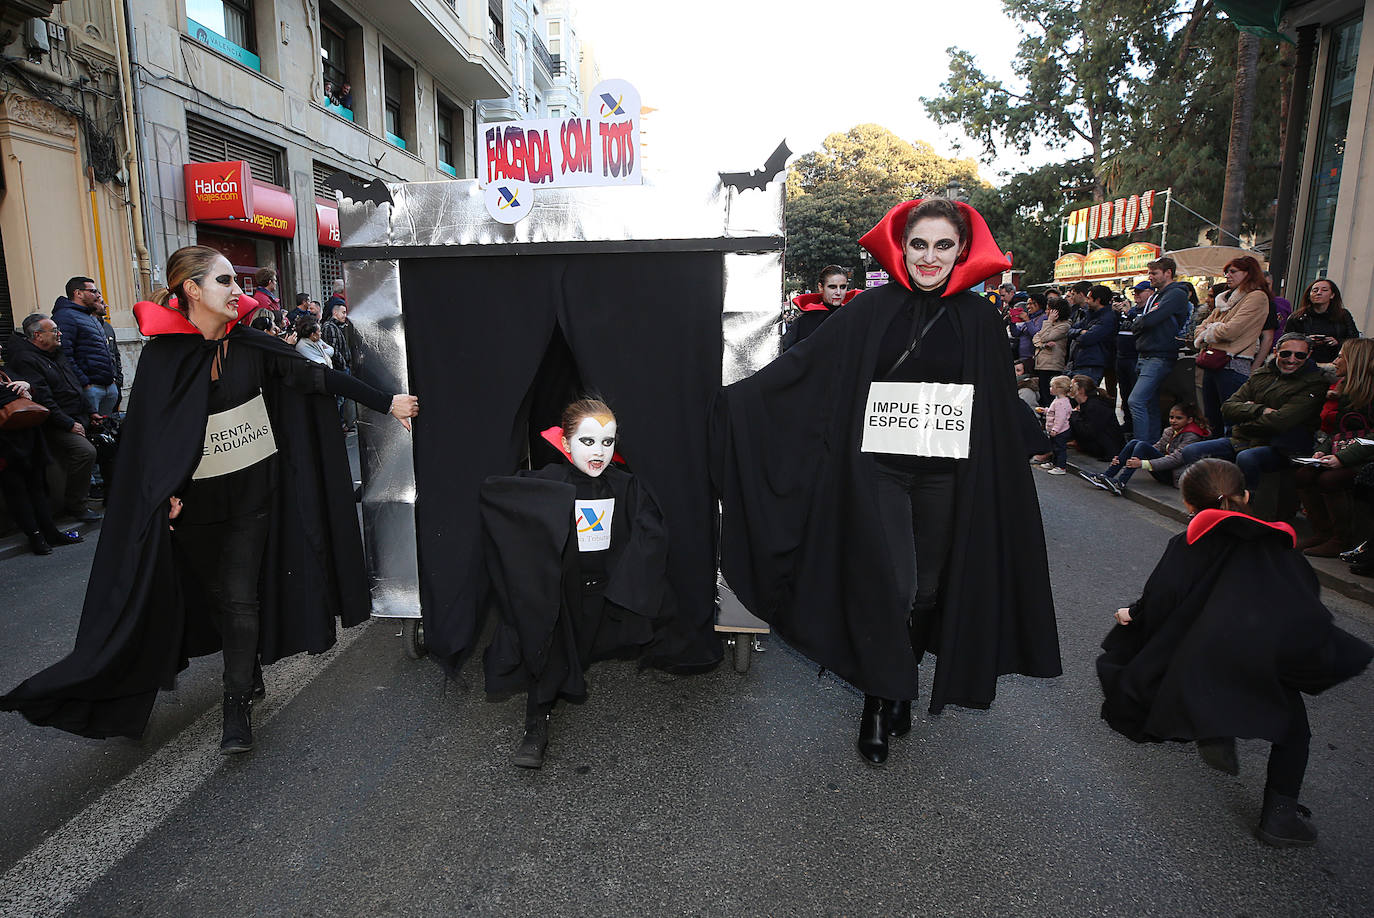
377, 788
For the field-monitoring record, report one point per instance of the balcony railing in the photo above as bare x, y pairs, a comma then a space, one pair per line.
542, 55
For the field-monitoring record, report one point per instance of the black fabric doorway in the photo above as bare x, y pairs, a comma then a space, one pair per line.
643, 331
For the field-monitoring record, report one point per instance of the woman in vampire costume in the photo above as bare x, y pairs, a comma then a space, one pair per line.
577, 553
231, 523
1227, 635
832, 292
864, 558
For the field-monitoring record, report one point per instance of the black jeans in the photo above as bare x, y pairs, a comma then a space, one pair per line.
227, 559
1288, 759
917, 511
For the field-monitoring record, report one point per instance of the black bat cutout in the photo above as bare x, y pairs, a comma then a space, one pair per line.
760, 178
356, 191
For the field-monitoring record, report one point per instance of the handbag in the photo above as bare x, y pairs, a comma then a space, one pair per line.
1351, 425
20, 413
1212, 358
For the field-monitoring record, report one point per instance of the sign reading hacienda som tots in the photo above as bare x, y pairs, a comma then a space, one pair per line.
601, 147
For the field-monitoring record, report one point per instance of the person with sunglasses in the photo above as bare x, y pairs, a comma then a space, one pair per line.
231, 523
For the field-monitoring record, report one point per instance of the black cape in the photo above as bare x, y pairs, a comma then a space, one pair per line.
545, 635
144, 615
1229, 624
801, 542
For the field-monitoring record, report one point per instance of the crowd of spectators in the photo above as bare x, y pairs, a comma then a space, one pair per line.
68, 362
1281, 389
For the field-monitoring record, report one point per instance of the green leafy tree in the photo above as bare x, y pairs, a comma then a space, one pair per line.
837, 193
1076, 68
1025, 212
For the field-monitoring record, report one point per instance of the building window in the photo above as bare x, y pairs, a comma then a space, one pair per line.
1330, 139
445, 121
338, 86
226, 26
398, 88
496, 26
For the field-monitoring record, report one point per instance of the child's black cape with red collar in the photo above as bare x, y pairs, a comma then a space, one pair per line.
1229, 624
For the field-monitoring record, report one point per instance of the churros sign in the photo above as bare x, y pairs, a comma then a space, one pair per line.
219, 191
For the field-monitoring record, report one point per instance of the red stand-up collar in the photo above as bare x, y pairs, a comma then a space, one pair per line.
982, 260
1207, 520
167, 320
554, 437
811, 302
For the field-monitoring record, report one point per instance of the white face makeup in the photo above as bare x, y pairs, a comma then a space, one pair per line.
218, 291
592, 444
832, 289
930, 251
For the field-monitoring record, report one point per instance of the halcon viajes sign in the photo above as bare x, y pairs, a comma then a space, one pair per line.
218, 191
1111, 218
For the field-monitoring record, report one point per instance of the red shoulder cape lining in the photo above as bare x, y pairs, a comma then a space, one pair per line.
982, 260
554, 437
1207, 520
166, 320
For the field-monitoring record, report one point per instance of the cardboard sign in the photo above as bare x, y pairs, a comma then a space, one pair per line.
236, 439
918, 419
593, 521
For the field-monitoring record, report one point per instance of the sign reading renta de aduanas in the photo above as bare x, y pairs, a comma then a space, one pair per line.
600, 147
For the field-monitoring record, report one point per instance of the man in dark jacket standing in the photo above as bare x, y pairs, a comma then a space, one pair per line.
1156, 344
83, 338
1093, 335
36, 355
342, 336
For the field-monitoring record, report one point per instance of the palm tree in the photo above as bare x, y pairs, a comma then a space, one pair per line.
1238, 154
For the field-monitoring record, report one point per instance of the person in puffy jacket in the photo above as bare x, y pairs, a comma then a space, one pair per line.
832, 292
1094, 335
1051, 345
1093, 423
83, 338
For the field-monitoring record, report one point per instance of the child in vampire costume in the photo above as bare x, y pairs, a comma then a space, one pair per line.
577, 554
230, 523
864, 561
1227, 635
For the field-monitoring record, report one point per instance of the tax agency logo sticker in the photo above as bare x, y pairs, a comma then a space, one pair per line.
593, 520
509, 200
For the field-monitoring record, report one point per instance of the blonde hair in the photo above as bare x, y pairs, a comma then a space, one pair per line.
1060, 383
1357, 385
188, 263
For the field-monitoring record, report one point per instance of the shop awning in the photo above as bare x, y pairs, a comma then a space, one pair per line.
1210, 259
1261, 17
273, 213
327, 224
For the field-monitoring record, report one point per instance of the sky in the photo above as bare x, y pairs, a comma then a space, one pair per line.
730, 78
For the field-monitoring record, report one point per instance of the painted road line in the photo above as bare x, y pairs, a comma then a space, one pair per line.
56, 873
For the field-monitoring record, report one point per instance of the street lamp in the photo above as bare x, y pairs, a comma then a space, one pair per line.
955, 191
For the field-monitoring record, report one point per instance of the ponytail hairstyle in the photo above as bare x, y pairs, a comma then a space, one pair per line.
188, 263
1214, 484
1086, 384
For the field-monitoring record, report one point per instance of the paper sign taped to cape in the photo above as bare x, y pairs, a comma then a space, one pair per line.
918, 419
236, 439
593, 520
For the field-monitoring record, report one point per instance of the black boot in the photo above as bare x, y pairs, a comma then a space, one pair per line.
1220, 754
900, 724
873, 729
38, 545
1283, 823
530, 754
59, 537
238, 723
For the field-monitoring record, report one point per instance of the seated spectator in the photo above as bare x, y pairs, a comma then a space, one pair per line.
1163, 460
1322, 316
263, 320
309, 344
1234, 327
1028, 390
1093, 423
23, 484
1326, 489
1051, 345
1094, 336
36, 356
1274, 413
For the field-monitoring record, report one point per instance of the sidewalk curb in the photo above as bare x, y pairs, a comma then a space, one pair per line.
17, 545
1332, 573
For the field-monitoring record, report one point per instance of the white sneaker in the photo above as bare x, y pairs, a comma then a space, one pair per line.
1047, 465
1055, 470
